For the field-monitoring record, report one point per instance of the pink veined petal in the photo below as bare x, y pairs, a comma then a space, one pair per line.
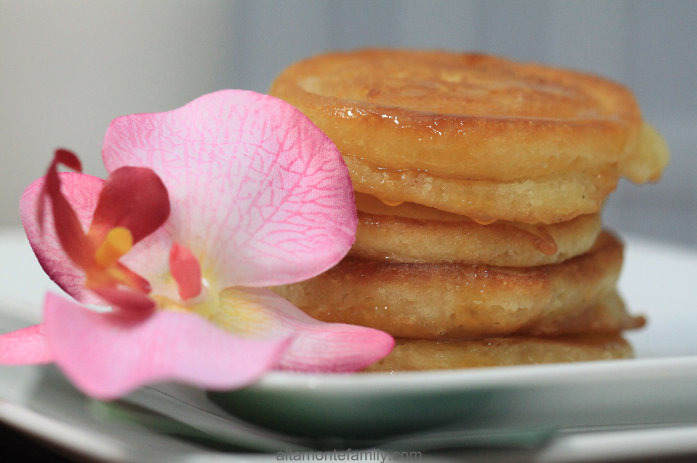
81, 191
254, 186
107, 357
27, 346
319, 346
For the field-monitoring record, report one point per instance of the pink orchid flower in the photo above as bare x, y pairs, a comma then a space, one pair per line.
204, 207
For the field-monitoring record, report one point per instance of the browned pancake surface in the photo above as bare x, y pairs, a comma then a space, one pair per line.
475, 135
459, 114
453, 301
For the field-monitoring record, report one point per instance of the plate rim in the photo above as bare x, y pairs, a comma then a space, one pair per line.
578, 373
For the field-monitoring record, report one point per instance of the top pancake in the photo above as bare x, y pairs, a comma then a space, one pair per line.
469, 116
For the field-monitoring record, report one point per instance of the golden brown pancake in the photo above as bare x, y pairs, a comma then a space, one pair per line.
420, 354
411, 232
479, 183
456, 301
476, 135
549, 200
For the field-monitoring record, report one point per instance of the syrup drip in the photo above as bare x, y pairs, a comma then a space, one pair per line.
544, 242
482, 221
391, 203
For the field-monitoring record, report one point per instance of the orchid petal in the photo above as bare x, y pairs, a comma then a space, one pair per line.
67, 225
318, 347
117, 204
255, 187
61, 156
107, 357
68, 159
150, 258
133, 198
25, 347
81, 192
129, 303
186, 271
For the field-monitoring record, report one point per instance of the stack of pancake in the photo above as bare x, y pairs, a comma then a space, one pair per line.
479, 184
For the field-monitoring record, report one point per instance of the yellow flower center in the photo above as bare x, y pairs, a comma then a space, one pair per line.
232, 309
118, 242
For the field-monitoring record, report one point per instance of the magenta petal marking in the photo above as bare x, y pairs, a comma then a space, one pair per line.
68, 159
81, 191
255, 188
61, 156
25, 347
127, 303
67, 224
131, 197
107, 357
186, 271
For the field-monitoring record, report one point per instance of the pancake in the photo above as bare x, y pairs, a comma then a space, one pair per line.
457, 301
420, 354
553, 199
411, 232
476, 135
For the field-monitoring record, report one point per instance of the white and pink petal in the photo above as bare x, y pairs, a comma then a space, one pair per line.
317, 346
82, 193
27, 346
107, 356
258, 193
